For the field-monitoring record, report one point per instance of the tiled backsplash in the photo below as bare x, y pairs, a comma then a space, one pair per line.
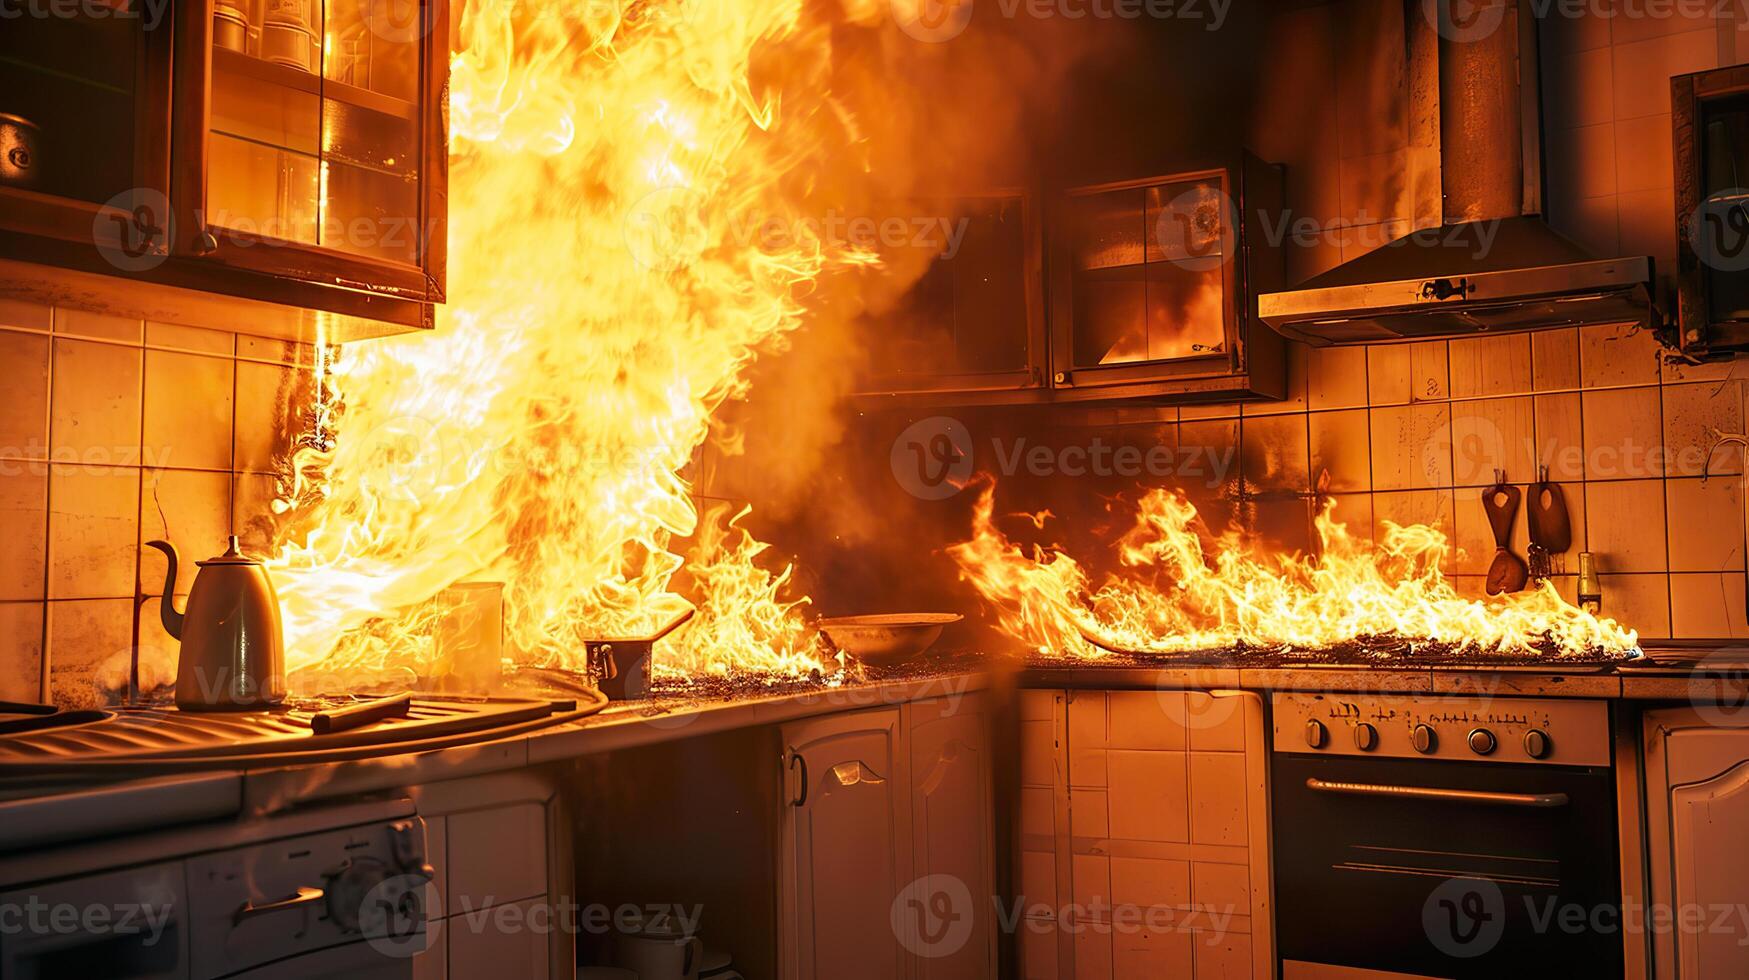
1625, 434
114, 432
1413, 433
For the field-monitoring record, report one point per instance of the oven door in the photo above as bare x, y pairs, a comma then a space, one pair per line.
1445, 869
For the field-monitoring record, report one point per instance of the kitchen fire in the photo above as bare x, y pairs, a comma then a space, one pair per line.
889, 489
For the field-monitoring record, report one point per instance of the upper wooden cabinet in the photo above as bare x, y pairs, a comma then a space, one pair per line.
1140, 289
1710, 122
1153, 285
277, 166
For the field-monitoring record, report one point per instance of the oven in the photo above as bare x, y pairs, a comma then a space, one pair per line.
1455, 838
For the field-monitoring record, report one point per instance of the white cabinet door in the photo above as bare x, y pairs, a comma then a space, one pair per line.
844, 834
946, 916
1711, 865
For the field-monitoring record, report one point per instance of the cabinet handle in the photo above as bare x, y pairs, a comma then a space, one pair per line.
801, 795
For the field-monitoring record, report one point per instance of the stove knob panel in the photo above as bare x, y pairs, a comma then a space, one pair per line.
1366, 737
1424, 739
1482, 741
1316, 735
1537, 744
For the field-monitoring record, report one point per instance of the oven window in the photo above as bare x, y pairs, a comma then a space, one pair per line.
1444, 888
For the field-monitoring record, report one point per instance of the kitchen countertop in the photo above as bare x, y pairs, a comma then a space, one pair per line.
46, 812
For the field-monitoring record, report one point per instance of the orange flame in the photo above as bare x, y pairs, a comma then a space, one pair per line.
1175, 597
601, 309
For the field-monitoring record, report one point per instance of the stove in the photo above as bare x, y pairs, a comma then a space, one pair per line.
1444, 837
137, 740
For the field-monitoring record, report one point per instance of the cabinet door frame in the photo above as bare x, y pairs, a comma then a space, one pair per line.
70, 220
1699, 328
917, 715
795, 901
1225, 362
424, 282
994, 387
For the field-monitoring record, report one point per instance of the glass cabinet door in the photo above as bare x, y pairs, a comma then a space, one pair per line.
83, 107
972, 320
317, 126
1147, 273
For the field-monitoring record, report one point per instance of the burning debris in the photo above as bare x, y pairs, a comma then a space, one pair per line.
1353, 601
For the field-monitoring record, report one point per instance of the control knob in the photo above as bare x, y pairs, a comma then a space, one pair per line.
1537, 744
1482, 741
1316, 735
1424, 739
1366, 737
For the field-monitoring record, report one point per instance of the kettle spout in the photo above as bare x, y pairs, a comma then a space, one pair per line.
167, 606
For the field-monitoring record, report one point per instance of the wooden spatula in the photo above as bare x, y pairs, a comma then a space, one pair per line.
1507, 573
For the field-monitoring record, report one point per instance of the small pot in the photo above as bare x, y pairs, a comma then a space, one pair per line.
20, 161
622, 667
230, 29
294, 47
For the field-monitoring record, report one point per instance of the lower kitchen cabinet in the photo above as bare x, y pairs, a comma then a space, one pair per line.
887, 845
497, 848
1143, 836
1697, 813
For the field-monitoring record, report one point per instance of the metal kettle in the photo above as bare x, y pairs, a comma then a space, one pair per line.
233, 655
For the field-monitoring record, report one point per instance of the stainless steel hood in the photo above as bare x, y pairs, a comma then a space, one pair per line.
1493, 264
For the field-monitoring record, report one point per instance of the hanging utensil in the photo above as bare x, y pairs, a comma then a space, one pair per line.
1507, 573
1550, 525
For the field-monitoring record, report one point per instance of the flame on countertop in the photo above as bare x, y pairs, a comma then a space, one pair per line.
1181, 590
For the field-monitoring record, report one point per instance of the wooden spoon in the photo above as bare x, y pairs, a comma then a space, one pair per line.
1508, 572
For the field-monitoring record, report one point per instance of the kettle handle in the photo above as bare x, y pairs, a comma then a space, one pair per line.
167, 606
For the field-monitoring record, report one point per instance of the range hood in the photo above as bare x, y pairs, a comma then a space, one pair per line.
1493, 264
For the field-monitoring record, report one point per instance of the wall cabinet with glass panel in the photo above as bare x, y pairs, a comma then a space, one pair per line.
1152, 284
1710, 121
967, 323
286, 155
